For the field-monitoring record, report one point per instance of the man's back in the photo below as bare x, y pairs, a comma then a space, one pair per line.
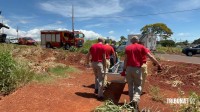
97, 50
108, 51
135, 52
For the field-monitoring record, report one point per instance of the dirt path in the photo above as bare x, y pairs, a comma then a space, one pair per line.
68, 95
75, 94
180, 58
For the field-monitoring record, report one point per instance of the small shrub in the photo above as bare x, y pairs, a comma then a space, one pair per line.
167, 43
109, 106
72, 49
7, 76
84, 51
193, 104
12, 74
156, 95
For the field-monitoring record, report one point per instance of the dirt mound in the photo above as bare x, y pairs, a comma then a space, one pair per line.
176, 74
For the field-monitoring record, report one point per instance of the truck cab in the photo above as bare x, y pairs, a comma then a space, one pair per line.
64, 38
189, 51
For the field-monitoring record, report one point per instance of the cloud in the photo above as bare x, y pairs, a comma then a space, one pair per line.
114, 38
94, 25
35, 33
22, 19
85, 8
111, 32
59, 22
183, 34
188, 4
90, 34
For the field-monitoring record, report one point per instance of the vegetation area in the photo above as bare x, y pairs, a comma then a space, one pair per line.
168, 50
12, 73
191, 106
15, 73
109, 106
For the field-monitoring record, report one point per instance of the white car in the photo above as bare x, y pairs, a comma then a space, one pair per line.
12, 41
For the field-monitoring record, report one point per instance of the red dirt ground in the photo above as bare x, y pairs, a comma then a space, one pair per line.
75, 94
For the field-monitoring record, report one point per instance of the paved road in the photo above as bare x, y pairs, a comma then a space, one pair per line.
180, 58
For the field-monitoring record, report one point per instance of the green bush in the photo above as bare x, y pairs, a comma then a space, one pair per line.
72, 49
7, 77
12, 74
84, 51
167, 43
86, 46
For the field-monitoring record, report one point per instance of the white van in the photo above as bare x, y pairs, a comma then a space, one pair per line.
148, 40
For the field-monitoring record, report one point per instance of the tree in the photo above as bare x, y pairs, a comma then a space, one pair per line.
122, 38
183, 43
167, 43
197, 41
158, 28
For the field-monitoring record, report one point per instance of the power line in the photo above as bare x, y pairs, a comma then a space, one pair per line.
151, 14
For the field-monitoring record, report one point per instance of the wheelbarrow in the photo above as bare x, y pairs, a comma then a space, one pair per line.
114, 75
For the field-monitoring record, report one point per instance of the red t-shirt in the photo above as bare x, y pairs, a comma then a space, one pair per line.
134, 53
109, 51
97, 50
144, 58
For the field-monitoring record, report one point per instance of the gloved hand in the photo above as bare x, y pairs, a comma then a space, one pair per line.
123, 73
159, 69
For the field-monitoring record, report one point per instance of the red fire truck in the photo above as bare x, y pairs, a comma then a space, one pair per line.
66, 39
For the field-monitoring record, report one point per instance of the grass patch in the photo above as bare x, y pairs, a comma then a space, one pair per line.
42, 78
54, 73
156, 95
168, 50
109, 106
60, 71
12, 73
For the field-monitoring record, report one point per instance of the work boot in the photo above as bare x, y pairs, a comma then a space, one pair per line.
135, 106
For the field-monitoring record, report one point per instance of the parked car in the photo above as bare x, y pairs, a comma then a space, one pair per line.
12, 40
189, 51
26, 41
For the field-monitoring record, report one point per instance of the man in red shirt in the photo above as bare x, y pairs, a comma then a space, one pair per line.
144, 67
97, 53
132, 65
109, 51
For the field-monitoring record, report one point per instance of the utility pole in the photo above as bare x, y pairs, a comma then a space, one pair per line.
17, 32
72, 18
2, 22
2, 28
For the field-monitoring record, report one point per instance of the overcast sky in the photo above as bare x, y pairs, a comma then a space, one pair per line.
107, 18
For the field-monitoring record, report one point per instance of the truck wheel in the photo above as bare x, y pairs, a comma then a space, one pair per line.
66, 47
48, 45
189, 53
